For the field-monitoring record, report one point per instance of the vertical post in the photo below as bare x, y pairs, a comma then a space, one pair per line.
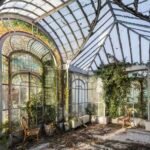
67, 91
1, 107
9, 95
148, 88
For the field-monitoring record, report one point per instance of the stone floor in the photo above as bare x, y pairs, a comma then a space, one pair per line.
96, 137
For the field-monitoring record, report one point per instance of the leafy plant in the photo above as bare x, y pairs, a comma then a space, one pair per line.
32, 107
91, 109
116, 84
50, 114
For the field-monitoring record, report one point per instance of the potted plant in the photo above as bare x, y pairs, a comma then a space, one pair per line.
49, 119
91, 111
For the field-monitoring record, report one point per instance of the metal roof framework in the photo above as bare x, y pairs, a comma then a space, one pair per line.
118, 36
91, 33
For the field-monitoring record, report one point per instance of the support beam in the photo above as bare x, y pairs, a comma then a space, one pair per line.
78, 70
53, 10
136, 68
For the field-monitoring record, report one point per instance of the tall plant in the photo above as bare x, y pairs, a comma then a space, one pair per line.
116, 84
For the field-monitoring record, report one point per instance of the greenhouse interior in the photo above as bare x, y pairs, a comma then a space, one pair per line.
75, 74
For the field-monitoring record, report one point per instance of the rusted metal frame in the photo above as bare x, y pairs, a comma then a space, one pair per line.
56, 9
24, 34
30, 43
140, 49
44, 55
104, 40
29, 20
37, 47
27, 3
9, 96
31, 47
63, 33
120, 42
82, 54
25, 52
69, 28
27, 72
26, 19
129, 39
112, 46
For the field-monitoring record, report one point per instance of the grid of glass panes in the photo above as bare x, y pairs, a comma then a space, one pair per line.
50, 86
25, 62
79, 97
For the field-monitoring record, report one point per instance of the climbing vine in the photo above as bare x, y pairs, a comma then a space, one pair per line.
116, 85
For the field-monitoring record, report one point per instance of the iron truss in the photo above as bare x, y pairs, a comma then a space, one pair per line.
91, 33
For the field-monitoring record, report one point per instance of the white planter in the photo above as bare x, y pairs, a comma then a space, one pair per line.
93, 119
49, 129
138, 122
102, 120
114, 121
147, 125
66, 126
78, 122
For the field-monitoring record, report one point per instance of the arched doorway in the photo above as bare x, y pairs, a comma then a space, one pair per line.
28, 74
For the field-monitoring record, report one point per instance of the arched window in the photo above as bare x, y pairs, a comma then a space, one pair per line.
79, 97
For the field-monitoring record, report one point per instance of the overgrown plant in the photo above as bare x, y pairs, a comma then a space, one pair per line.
32, 107
91, 110
116, 84
50, 114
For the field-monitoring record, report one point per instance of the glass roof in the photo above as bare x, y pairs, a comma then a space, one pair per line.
18, 43
118, 36
91, 33
142, 6
68, 22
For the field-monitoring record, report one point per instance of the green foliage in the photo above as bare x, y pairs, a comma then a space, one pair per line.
32, 108
4, 131
116, 87
91, 109
50, 114
29, 27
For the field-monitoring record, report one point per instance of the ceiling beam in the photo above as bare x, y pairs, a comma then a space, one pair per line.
53, 10
134, 68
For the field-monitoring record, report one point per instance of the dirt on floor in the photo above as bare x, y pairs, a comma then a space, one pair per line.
83, 139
